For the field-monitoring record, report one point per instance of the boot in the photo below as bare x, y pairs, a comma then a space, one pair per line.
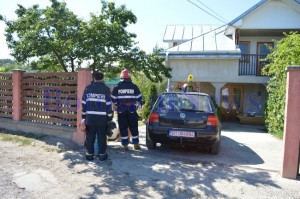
137, 146
126, 147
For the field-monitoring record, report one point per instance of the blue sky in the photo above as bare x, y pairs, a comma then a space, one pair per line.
152, 15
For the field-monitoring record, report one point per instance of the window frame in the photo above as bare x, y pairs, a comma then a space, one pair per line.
247, 58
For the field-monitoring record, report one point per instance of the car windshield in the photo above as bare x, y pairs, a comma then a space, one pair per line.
184, 102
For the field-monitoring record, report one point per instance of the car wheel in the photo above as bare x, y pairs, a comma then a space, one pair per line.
149, 143
215, 148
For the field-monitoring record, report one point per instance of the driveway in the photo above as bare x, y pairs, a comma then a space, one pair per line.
247, 167
241, 145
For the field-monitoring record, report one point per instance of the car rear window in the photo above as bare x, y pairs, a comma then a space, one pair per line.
184, 101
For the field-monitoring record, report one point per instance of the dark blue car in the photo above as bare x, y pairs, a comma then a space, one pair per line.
184, 118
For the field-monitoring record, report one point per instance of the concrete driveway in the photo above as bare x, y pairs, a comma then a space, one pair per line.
241, 145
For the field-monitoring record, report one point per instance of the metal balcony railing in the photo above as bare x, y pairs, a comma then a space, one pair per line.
252, 64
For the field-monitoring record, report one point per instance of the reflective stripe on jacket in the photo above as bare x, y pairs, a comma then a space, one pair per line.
126, 96
96, 104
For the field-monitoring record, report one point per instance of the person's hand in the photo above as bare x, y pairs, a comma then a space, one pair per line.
82, 125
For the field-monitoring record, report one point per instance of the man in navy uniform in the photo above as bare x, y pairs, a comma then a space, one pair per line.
127, 97
97, 112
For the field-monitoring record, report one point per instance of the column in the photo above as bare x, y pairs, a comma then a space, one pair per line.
218, 86
84, 78
17, 94
291, 137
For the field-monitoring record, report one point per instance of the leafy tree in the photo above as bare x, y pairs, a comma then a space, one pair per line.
286, 54
59, 41
6, 61
106, 39
53, 33
152, 65
8, 65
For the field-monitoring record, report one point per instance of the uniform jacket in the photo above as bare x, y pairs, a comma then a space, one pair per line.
96, 104
126, 96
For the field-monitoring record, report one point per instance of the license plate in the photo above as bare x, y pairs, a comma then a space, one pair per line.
188, 134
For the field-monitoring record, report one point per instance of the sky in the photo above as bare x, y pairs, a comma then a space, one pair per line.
152, 15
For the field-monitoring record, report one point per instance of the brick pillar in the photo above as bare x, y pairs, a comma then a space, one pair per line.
84, 78
291, 124
17, 94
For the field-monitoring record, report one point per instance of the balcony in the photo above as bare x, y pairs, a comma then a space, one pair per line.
252, 64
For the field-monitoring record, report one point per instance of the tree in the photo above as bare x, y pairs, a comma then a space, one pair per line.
59, 41
286, 54
52, 34
152, 65
106, 39
8, 65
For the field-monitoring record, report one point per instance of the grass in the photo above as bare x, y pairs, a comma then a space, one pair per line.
23, 141
278, 134
141, 123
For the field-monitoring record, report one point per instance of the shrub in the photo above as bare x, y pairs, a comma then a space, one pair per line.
149, 101
286, 54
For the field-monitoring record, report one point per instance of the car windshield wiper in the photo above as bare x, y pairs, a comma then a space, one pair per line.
191, 110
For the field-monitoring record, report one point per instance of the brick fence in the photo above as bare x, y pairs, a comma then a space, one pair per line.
45, 103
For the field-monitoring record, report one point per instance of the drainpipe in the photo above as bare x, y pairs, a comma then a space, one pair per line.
167, 63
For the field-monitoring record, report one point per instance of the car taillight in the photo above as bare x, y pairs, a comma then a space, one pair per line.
154, 117
212, 120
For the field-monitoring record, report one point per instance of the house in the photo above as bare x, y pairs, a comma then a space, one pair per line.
226, 61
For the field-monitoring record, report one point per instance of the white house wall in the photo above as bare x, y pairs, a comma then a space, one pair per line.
272, 15
211, 70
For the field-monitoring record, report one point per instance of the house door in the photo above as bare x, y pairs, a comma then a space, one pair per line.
263, 49
231, 101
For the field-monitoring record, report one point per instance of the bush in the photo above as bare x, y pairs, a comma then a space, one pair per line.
286, 54
149, 101
219, 113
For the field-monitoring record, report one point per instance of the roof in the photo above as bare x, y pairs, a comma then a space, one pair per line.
181, 33
276, 17
200, 40
247, 12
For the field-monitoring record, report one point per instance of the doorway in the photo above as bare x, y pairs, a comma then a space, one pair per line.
231, 101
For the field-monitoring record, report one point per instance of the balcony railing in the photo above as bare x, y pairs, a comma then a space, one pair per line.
252, 64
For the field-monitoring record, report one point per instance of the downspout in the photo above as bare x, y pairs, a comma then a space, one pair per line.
167, 64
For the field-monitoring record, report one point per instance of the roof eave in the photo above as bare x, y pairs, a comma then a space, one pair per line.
203, 55
232, 23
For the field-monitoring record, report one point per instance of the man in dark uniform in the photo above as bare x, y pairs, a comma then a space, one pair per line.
127, 97
97, 112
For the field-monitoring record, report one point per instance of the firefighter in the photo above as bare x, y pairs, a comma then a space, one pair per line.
127, 97
96, 113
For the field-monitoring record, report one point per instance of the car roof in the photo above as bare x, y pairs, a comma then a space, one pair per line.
191, 93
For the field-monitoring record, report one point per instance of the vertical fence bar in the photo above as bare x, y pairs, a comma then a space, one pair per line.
291, 137
17, 94
84, 79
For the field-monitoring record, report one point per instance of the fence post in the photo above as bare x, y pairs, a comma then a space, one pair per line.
17, 94
291, 137
84, 78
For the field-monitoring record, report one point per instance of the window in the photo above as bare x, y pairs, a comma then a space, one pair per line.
263, 48
245, 50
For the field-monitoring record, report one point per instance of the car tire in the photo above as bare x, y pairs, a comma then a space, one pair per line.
215, 148
149, 143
